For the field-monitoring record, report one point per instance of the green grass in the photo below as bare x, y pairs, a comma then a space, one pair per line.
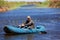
14, 5
19, 4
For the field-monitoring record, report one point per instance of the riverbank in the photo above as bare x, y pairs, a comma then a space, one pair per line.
13, 5
3, 9
10, 6
7, 8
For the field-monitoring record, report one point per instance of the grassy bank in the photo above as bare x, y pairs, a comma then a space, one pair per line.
14, 5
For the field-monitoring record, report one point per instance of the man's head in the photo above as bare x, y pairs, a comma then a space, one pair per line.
28, 18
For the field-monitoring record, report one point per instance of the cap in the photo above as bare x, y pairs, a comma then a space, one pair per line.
28, 17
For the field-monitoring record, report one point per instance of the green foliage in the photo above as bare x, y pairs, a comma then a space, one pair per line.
1, 2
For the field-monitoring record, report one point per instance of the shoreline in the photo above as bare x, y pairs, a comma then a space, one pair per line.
4, 9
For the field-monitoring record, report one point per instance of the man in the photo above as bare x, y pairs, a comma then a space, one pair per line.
29, 23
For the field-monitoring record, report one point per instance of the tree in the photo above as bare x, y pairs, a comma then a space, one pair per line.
2, 2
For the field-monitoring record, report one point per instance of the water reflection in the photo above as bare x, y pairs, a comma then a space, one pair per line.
18, 36
30, 37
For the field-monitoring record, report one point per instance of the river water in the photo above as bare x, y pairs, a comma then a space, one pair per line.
49, 17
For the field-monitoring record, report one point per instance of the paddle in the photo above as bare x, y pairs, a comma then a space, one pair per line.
43, 32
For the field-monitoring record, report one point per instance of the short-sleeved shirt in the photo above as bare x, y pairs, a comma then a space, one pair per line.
29, 23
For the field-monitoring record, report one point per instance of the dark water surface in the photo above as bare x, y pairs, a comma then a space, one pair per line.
49, 17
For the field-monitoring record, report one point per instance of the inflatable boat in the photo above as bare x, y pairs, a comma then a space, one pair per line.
15, 29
